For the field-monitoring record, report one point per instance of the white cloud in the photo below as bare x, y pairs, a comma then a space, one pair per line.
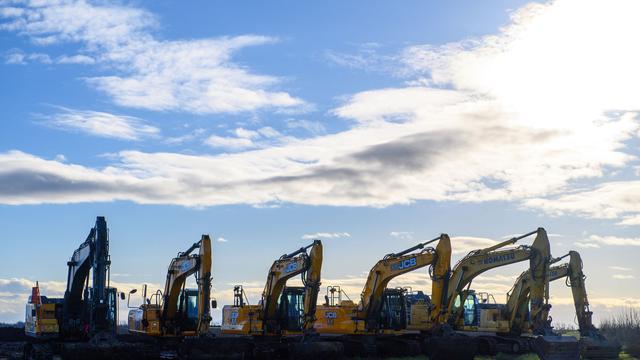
404, 235
615, 240
232, 143
620, 268
326, 235
100, 124
247, 139
17, 57
221, 239
623, 277
465, 244
597, 241
503, 117
177, 140
184, 75
313, 127
610, 200
586, 245
76, 59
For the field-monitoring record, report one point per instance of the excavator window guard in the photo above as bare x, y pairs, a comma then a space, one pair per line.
334, 296
159, 298
486, 298
239, 296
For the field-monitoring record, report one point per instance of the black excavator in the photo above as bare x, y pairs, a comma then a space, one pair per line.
87, 315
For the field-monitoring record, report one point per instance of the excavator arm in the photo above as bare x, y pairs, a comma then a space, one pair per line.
391, 266
593, 343
77, 276
572, 272
312, 286
479, 261
283, 269
180, 268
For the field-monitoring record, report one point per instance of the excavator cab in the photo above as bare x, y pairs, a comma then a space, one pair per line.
393, 314
291, 308
481, 311
187, 315
105, 315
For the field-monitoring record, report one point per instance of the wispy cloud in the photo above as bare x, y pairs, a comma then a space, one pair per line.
313, 127
76, 59
597, 241
465, 244
623, 277
17, 57
404, 235
100, 124
221, 239
183, 75
620, 268
326, 235
586, 245
231, 143
615, 240
247, 139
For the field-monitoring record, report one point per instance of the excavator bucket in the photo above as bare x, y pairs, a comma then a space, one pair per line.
594, 348
551, 347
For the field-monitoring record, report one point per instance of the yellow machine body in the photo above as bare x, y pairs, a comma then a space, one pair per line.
41, 321
145, 320
385, 311
241, 320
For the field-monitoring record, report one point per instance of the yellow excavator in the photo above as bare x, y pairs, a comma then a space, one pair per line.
383, 310
387, 311
178, 312
283, 310
488, 324
282, 324
592, 343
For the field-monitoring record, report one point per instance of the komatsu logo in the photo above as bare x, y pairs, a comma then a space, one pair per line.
404, 264
291, 267
498, 258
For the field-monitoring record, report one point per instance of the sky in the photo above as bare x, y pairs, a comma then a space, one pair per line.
367, 124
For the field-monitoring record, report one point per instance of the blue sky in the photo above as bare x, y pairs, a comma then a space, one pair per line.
367, 124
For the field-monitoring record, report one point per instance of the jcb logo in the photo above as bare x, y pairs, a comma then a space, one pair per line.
404, 264
330, 314
291, 267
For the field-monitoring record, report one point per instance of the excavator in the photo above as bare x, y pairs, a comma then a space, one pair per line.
488, 324
178, 312
283, 310
282, 323
385, 315
86, 312
592, 343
